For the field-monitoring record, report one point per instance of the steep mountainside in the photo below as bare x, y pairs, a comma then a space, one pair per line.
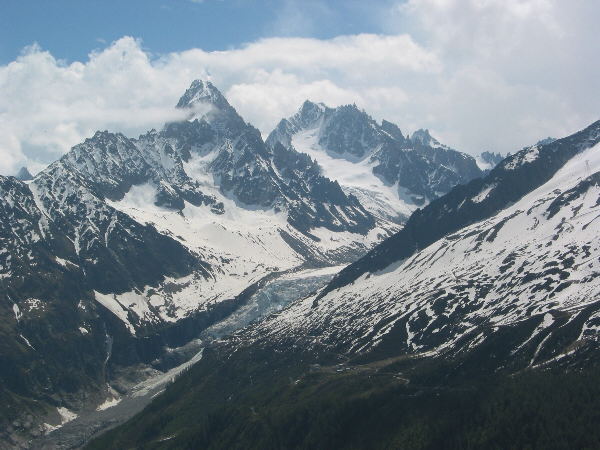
530, 272
389, 173
246, 170
125, 248
480, 199
447, 339
23, 174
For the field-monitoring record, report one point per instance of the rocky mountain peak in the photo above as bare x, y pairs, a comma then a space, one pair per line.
309, 106
23, 174
208, 106
423, 136
488, 160
309, 113
392, 129
103, 138
202, 92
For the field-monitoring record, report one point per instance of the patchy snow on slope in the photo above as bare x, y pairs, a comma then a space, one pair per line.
66, 416
109, 403
525, 156
241, 246
333, 240
110, 302
17, 312
27, 341
521, 263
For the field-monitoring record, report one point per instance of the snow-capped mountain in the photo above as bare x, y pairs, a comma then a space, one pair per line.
207, 193
483, 286
126, 247
514, 177
392, 175
493, 260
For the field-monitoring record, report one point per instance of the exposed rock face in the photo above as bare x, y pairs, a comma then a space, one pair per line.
495, 282
125, 247
413, 170
488, 160
23, 174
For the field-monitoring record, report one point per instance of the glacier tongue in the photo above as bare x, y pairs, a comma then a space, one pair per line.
242, 245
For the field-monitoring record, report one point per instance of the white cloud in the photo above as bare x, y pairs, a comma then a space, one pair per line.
47, 106
481, 74
514, 70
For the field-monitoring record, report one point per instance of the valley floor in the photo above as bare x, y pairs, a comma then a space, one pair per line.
397, 403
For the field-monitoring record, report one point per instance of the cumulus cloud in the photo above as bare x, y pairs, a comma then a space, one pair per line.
514, 70
47, 106
481, 74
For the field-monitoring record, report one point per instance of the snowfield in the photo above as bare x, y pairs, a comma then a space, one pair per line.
355, 175
242, 246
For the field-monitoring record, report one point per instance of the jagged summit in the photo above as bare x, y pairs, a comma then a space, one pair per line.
488, 160
23, 174
423, 136
389, 173
309, 104
106, 136
392, 129
202, 92
208, 106
310, 111
545, 141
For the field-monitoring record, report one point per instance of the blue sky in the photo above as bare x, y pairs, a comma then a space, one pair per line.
70, 29
481, 75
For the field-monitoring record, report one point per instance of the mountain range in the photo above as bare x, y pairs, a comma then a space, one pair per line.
390, 173
127, 248
474, 326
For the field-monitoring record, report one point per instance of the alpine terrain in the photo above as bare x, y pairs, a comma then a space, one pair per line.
391, 174
122, 259
476, 325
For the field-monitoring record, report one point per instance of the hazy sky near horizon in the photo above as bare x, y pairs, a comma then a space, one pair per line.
480, 74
